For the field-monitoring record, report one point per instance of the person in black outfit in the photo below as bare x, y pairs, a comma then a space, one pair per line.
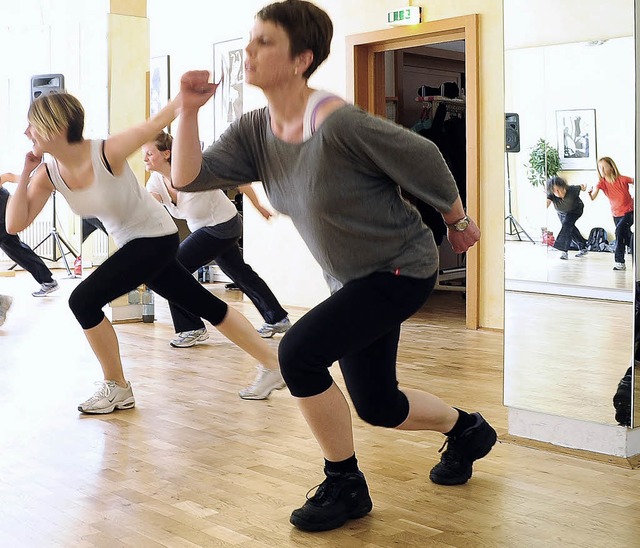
18, 251
566, 200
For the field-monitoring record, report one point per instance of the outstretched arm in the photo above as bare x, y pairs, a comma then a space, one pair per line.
186, 155
593, 193
8, 178
31, 195
120, 146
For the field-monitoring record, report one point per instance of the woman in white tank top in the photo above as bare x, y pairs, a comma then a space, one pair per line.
96, 180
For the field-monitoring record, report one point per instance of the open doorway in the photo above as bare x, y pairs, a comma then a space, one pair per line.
370, 57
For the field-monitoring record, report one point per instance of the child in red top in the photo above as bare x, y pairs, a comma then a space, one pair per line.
616, 188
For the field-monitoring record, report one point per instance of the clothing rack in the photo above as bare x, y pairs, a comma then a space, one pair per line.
454, 106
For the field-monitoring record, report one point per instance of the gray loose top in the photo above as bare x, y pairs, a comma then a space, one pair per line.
341, 188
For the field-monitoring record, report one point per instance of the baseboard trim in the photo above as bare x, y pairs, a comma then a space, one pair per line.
623, 462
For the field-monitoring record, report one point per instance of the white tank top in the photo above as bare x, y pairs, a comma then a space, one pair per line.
316, 99
126, 210
199, 209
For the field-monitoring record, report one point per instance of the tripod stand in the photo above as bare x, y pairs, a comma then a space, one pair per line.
515, 228
58, 251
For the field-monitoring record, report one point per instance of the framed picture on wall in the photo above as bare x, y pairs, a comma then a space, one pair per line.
228, 69
577, 139
159, 88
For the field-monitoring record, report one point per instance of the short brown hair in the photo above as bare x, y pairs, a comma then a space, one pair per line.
308, 28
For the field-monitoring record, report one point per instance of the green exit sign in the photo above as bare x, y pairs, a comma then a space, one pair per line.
406, 16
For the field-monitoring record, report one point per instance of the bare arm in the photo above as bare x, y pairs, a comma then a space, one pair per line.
30, 196
248, 191
120, 146
8, 178
186, 156
548, 202
593, 193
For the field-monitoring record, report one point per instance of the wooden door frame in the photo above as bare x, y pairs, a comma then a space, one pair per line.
365, 85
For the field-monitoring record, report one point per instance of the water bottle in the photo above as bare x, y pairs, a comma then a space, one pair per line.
148, 313
77, 266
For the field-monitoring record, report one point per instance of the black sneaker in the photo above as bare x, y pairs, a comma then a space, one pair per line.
622, 400
456, 464
338, 498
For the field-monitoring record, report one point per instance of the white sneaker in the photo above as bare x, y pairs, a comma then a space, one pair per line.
46, 288
619, 266
108, 398
5, 305
266, 381
582, 252
268, 330
564, 256
185, 339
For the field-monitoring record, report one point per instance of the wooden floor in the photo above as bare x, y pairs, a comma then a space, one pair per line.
539, 263
193, 465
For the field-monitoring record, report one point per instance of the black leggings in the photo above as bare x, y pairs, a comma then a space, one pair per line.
151, 261
359, 326
203, 246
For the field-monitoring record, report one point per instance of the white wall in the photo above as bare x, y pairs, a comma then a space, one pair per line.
46, 37
541, 80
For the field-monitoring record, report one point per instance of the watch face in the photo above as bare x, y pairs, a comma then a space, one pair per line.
462, 225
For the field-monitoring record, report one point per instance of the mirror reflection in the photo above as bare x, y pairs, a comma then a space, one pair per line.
569, 269
550, 89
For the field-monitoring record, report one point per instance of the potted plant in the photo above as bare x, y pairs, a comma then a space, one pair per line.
544, 162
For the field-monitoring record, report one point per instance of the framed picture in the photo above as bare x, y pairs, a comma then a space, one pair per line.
577, 139
228, 69
159, 89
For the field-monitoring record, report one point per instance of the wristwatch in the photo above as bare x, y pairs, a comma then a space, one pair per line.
460, 225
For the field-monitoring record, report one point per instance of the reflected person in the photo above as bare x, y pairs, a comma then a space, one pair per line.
616, 188
569, 206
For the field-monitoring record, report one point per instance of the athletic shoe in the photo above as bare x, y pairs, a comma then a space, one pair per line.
564, 256
456, 464
582, 253
338, 498
266, 381
46, 288
619, 266
622, 400
5, 305
268, 330
185, 339
108, 398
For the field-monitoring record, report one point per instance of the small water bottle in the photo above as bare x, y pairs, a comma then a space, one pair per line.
77, 266
148, 313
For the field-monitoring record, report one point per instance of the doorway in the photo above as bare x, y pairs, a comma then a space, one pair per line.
366, 68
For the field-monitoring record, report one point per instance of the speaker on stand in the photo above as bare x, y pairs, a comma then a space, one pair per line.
512, 144
47, 84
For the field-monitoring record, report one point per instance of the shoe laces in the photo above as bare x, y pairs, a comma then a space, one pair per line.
326, 492
450, 455
262, 372
102, 392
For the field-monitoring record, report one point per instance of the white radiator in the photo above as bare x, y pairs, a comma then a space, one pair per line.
32, 236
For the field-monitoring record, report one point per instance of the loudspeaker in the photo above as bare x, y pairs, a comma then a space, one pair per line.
512, 132
46, 84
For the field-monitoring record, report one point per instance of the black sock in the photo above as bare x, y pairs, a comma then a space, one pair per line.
347, 466
465, 420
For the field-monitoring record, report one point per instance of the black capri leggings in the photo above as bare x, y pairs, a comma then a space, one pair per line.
151, 261
359, 326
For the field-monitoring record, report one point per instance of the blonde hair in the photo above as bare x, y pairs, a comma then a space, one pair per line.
57, 113
612, 164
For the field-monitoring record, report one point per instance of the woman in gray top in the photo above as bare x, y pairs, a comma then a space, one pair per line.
341, 187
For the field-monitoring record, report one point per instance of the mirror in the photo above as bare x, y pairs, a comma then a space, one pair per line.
569, 320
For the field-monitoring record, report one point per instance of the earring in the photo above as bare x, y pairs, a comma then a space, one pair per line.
295, 71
